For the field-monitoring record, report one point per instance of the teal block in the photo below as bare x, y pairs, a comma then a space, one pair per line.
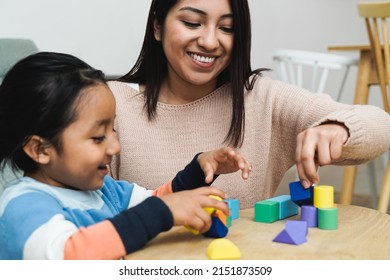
229, 221
266, 211
234, 207
287, 207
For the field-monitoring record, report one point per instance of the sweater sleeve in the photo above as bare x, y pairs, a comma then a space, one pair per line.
191, 177
109, 239
139, 224
295, 109
126, 232
57, 237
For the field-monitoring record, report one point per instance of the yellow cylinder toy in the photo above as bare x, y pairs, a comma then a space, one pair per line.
323, 196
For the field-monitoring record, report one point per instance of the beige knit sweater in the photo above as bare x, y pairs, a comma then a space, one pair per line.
153, 152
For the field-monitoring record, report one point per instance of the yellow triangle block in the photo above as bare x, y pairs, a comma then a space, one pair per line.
223, 249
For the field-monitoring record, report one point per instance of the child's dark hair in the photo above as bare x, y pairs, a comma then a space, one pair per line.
37, 97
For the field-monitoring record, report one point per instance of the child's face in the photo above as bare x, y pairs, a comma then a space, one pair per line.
88, 144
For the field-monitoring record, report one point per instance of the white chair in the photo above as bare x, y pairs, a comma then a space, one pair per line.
311, 70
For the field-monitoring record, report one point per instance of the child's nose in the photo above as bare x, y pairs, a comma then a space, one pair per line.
114, 147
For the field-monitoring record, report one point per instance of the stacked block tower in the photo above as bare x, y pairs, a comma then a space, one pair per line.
317, 210
317, 205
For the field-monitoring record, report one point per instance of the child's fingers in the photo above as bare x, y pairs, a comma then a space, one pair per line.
208, 172
207, 191
213, 203
200, 221
246, 170
241, 162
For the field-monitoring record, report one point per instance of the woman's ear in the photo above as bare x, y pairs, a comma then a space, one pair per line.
37, 149
157, 30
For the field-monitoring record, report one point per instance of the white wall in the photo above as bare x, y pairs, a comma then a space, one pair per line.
108, 34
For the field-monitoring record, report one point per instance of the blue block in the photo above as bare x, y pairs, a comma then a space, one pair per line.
234, 207
217, 229
287, 207
300, 195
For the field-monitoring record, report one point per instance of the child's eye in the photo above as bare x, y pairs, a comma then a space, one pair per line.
190, 24
99, 139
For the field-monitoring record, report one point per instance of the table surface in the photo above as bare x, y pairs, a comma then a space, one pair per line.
363, 233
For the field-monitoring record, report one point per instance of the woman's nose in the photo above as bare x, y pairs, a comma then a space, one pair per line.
208, 39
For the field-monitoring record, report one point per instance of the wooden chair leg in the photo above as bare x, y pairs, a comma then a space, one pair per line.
384, 197
348, 185
372, 182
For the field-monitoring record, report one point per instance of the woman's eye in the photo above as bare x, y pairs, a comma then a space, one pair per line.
227, 29
190, 24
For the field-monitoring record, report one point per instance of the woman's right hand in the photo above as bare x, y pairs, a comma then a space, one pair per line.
187, 207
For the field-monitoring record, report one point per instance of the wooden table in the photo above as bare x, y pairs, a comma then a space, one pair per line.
363, 233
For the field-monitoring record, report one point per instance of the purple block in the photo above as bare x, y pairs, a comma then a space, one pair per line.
217, 229
294, 233
300, 195
309, 214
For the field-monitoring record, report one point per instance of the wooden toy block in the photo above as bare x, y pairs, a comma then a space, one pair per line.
266, 211
229, 221
217, 229
223, 249
328, 218
300, 195
294, 233
287, 207
234, 207
323, 196
309, 214
221, 216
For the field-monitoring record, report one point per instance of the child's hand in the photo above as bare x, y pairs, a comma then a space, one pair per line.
187, 207
222, 161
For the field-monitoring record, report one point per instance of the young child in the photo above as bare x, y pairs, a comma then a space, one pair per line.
56, 120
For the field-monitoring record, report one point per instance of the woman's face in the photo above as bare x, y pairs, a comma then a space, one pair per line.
197, 39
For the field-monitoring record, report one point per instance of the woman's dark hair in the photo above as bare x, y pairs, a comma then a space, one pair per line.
151, 66
37, 97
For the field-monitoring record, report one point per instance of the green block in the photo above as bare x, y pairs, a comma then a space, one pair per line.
327, 218
229, 221
266, 211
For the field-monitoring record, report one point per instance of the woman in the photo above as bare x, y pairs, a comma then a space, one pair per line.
192, 89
